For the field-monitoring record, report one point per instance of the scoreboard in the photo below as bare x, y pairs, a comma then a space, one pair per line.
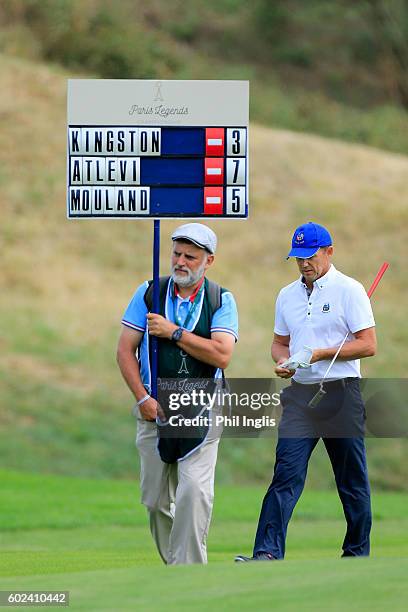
157, 149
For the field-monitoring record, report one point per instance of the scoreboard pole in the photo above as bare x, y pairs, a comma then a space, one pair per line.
156, 273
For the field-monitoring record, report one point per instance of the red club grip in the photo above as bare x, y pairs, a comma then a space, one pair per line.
377, 279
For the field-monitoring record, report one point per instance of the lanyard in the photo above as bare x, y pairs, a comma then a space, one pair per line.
191, 310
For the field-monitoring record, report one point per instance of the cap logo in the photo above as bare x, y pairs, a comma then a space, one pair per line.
300, 237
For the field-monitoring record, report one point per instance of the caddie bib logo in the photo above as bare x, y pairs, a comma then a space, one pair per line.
183, 367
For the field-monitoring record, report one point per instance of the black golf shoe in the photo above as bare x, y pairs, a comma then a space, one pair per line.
263, 556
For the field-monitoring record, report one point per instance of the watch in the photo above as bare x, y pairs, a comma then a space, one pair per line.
176, 335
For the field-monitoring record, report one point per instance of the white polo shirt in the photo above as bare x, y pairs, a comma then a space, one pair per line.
338, 304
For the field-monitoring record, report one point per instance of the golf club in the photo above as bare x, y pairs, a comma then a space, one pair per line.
316, 399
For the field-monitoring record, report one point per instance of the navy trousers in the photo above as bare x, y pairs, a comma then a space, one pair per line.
348, 460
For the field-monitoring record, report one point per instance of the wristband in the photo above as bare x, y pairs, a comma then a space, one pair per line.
143, 400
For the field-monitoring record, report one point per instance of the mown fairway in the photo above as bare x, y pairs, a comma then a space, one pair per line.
91, 537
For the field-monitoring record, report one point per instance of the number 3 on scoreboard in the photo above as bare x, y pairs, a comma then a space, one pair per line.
235, 200
236, 142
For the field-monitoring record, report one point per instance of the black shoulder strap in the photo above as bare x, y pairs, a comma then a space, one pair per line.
214, 295
214, 292
148, 296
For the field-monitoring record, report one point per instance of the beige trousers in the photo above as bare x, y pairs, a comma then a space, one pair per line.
179, 496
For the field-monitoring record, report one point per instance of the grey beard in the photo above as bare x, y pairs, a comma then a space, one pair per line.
191, 279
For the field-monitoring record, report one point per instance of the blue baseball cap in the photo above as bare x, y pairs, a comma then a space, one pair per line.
308, 239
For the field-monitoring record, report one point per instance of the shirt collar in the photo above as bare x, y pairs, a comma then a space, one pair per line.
193, 296
323, 280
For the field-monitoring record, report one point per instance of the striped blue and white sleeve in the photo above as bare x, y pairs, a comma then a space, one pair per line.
135, 314
225, 319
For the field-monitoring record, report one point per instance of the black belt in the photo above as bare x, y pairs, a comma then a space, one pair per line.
329, 385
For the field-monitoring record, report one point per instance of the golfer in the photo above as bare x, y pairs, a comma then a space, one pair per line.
317, 311
197, 329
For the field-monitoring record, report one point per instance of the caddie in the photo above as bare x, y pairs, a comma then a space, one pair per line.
197, 329
312, 317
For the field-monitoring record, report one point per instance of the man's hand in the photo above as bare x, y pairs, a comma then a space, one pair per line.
159, 326
283, 372
150, 409
317, 356
280, 353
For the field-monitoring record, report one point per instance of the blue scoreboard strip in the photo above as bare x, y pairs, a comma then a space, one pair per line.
129, 172
186, 141
187, 201
162, 171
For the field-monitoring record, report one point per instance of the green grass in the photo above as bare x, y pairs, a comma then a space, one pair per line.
376, 584
91, 538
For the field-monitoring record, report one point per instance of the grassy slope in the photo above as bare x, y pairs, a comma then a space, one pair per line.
92, 538
66, 283
314, 74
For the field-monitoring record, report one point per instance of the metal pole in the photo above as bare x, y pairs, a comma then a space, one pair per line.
156, 271
316, 399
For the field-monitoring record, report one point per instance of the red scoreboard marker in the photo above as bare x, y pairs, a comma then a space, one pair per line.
214, 170
214, 142
213, 200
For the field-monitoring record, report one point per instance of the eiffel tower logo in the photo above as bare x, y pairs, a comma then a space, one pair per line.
158, 97
183, 368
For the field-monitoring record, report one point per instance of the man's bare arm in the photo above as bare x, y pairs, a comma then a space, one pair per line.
280, 348
216, 351
280, 353
364, 345
128, 342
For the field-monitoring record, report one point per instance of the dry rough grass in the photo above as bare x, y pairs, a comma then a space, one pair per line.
76, 277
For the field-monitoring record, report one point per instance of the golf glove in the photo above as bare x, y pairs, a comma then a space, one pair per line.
301, 359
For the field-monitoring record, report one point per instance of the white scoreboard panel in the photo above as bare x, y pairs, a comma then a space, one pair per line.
157, 149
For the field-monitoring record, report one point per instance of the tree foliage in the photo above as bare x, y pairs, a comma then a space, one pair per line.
354, 52
390, 25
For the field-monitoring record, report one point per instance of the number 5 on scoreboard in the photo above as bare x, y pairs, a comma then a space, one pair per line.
236, 200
